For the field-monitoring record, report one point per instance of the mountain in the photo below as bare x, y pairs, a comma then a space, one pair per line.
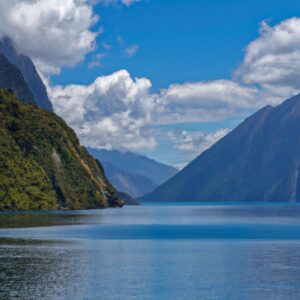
258, 161
29, 72
12, 78
137, 164
43, 166
128, 200
133, 184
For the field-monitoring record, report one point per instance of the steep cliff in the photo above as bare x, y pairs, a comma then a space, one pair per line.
12, 78
29, 72
43, 166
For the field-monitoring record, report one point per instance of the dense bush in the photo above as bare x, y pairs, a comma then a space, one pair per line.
43, 166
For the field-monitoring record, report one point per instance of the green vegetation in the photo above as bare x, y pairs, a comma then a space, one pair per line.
43, 166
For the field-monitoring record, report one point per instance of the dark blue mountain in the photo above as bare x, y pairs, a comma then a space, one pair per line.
258, 161
29, 72
12, 78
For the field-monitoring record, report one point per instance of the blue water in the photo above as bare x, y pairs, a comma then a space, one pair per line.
157, 251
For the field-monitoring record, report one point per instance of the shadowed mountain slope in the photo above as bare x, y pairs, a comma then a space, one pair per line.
29, 72
12, 78
133, 184
137, 164
258, 161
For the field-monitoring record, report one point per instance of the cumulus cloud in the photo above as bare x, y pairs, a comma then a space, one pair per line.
205, 101
114, 112
118, 112
272, 60
54, 33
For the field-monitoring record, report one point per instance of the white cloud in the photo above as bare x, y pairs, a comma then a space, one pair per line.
96, 62
128, 50
129, 2
195, 141
272, 60
118, 112
124, 2
132, 50
180, 165
205, 101
54, 33
114, 112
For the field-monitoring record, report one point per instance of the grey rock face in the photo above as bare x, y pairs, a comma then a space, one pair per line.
29, 72
12, 78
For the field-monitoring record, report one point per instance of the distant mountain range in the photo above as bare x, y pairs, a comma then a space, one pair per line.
29, 72
133, 184
133, 173
258, 161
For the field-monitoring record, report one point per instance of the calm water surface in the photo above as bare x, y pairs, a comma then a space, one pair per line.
173, 251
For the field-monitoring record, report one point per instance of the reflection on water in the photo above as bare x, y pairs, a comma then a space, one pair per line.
156, 256
23, 219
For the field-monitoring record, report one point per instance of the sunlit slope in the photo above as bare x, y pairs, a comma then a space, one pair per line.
43, 166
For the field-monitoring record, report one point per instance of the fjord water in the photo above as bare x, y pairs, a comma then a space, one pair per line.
154, 251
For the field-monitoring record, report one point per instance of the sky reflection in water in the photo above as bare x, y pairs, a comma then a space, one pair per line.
154, 252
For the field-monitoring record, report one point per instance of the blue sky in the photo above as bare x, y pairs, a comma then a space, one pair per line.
178, 41
166, 78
